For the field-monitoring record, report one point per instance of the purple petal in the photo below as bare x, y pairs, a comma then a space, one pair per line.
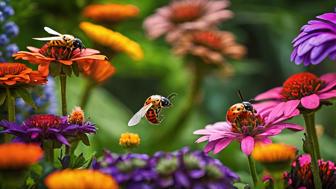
310, 102
182, 179
247, 145
324, 53
62, 139
330, 17
221, 144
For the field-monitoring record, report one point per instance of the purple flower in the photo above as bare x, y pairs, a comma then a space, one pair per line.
182, 169
42, 127
249, 129
8, 11
304, 91
3, 39
316, 41
11, 49
11, 29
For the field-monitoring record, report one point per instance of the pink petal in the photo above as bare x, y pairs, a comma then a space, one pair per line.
209, 146
329, 77
276, 112
265, 141
291, 106
310, 102
247, 145
221, 145
328, 95
202, 139
291, 126
270, 94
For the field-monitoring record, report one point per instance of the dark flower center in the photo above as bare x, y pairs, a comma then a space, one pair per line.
43, 121
246, 122
11, 68
300, 85
57, 52
209, 39
184, 12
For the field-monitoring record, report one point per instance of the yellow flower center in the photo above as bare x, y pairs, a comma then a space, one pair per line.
129, 140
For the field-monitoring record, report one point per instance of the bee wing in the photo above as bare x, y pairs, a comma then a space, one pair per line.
137, 116
48, 38
51, 31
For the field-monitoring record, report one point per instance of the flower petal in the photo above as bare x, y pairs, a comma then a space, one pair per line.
247, 145
270, 94
310, 102
328, 95
220, 145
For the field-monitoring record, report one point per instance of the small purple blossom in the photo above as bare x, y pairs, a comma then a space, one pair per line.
11, 29
182, 169
3, 39
11, 49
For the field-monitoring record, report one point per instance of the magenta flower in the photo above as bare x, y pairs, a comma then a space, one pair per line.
300, 91
316, 41
250, 129
183, 15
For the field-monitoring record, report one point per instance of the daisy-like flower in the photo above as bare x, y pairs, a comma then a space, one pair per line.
316, 41
249, 129
300, 175
304, 91
15, 156
114, 40
212, 46
110, 12
80, 179
54, 57
183, 15
42, 127
129, 140
100, 72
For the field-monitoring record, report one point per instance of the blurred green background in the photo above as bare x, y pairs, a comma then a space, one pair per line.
265, 27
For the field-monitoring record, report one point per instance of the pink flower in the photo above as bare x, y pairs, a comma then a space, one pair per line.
183, 15
301, 91
251, 128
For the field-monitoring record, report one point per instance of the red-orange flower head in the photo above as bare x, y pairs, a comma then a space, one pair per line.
17, 73
43, 121
53, 58
100, 72
110, 12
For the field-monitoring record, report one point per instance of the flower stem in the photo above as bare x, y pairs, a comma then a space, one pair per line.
253, 170
11, 111
89, 86
48, 149
314, 148
278, 180
63, 94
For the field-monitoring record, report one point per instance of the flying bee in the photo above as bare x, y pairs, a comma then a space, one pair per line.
62, 40
151, 109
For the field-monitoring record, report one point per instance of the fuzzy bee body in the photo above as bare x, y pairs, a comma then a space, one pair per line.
152, 116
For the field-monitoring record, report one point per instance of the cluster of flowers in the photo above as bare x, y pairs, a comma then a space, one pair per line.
180, 169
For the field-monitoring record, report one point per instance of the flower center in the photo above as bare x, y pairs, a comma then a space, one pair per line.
184, 12
300, 85
57, 52
43, 121
11, 68
208, 39
246, 122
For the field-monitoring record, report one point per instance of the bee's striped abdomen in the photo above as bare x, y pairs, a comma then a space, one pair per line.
152, 116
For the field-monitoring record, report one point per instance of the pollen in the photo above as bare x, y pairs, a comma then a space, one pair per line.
76, 116
300, 85
129, 140
208, 39
43, 121
274, 153
185, 12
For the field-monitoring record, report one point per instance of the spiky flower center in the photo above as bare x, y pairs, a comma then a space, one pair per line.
185, 12
207, 38
300, 85
76, 116
11, 68
57, 52
246, 122
43, 121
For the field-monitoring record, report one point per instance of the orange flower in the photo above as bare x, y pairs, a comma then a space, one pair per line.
100, 72
19, 155
17, 73
110, 12
47, 55
80, 179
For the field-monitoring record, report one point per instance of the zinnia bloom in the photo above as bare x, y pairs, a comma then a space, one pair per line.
47, 127
129, 140
100, 72
212, 46
116, 41
300, 91
316, 41
19, 156
110, 12
249, 129
183, 15
19, 74
300, 175
54, 57
80, 179
182, 169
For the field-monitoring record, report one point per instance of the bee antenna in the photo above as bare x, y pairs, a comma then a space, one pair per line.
240, 95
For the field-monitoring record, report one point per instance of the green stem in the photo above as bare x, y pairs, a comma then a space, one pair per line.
63, 94
48, 149
10, 105
278, 180
89, 86
314, 148
253, 170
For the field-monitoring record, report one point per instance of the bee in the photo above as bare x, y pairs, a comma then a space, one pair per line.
151, 109
62, 40
238, 109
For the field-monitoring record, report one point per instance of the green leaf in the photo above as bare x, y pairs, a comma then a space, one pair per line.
2, 98
25, 95
84, 138
79, 161
75, 69
55, 69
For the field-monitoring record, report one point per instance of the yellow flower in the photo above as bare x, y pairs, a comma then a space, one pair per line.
116, 41
19, 155
80, 179
274, 153
110, 12
76, 116
129, 140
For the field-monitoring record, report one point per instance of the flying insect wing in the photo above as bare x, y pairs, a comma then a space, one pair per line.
137, 116
51, 31
48, 38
